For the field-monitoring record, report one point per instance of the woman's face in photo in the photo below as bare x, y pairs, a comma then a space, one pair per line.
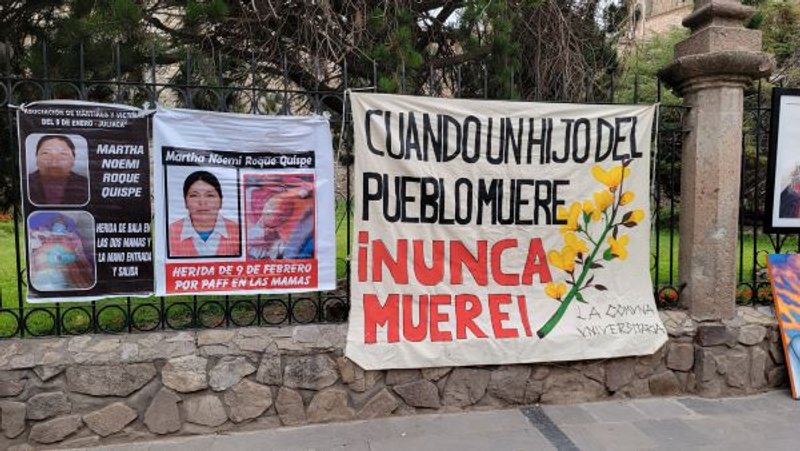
54, 158
203, 203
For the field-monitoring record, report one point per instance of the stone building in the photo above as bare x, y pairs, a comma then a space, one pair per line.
651, 17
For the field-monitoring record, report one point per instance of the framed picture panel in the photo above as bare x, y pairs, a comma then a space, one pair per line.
783, 179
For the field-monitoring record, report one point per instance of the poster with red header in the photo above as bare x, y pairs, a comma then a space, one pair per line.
492, 232
244, 203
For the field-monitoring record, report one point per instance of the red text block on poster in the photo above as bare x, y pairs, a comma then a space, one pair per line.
212, 277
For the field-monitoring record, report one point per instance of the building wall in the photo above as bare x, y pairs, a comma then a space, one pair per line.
656, 16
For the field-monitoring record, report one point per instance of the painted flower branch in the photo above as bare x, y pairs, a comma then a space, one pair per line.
581, 254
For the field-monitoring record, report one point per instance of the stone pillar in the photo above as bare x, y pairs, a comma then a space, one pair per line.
711, 69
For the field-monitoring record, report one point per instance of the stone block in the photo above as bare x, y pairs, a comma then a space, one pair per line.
56, 429
270, 371
12, 418
421, 393
395, 377
228, 372
46, 373
619, 373
640, 388
777, 377
109, 380
289, 405
465, 387
509, 382
664, 384
253, 340
162, 416
46, 405
705, 364
565, 386
215, 337
533, 389
434, 374
185, 374
11, 388
776, 352
380, 405
80, 442
758, 366
595, 371
712, 334
680, 356
313, 372
247, 400
752, 334
347, 370
539, 372
330, 404
205, 410
715, 39
738, 368
711, 388
365, 380
110, 419
649, 364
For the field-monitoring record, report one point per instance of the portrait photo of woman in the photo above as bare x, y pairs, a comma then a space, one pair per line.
208, 228
57, 170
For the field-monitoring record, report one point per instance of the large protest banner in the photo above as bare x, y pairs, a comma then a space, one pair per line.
245, 203
491, 232
85, 178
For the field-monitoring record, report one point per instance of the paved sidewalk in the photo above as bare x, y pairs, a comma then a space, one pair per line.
767, 421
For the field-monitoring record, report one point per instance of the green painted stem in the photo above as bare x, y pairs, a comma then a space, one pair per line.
551, 323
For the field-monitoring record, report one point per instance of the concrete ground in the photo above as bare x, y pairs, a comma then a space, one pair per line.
766, 421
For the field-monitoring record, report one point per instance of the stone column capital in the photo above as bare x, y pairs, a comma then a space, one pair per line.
719, 49
725, 68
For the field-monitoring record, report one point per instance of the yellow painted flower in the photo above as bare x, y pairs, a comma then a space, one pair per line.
555, 290
575, 243
618, 246
564, 260
571, 216
626, 198
611, 178
637, 216
602, 200
588, 207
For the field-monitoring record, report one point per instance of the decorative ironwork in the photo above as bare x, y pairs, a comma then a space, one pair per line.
276, 95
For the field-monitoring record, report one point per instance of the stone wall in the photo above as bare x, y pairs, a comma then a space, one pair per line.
85, 390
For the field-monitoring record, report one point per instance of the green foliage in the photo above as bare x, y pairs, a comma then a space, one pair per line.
198, 11
639, 79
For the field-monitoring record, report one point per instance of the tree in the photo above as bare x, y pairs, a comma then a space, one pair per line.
779, 22
529, 49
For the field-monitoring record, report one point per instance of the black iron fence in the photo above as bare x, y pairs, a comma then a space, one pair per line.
274, 93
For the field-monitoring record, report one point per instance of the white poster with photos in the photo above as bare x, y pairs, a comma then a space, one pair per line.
245, 203
783, 190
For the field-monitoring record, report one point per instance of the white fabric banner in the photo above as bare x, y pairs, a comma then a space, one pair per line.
244, 203
491, 232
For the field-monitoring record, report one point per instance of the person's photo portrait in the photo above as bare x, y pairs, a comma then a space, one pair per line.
203, 208
61, 250
280, 216
57, 170
790, 196
782, 209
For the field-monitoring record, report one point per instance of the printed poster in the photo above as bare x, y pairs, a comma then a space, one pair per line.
782, 214
245, 203
85, 178
784, 275
491, 232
